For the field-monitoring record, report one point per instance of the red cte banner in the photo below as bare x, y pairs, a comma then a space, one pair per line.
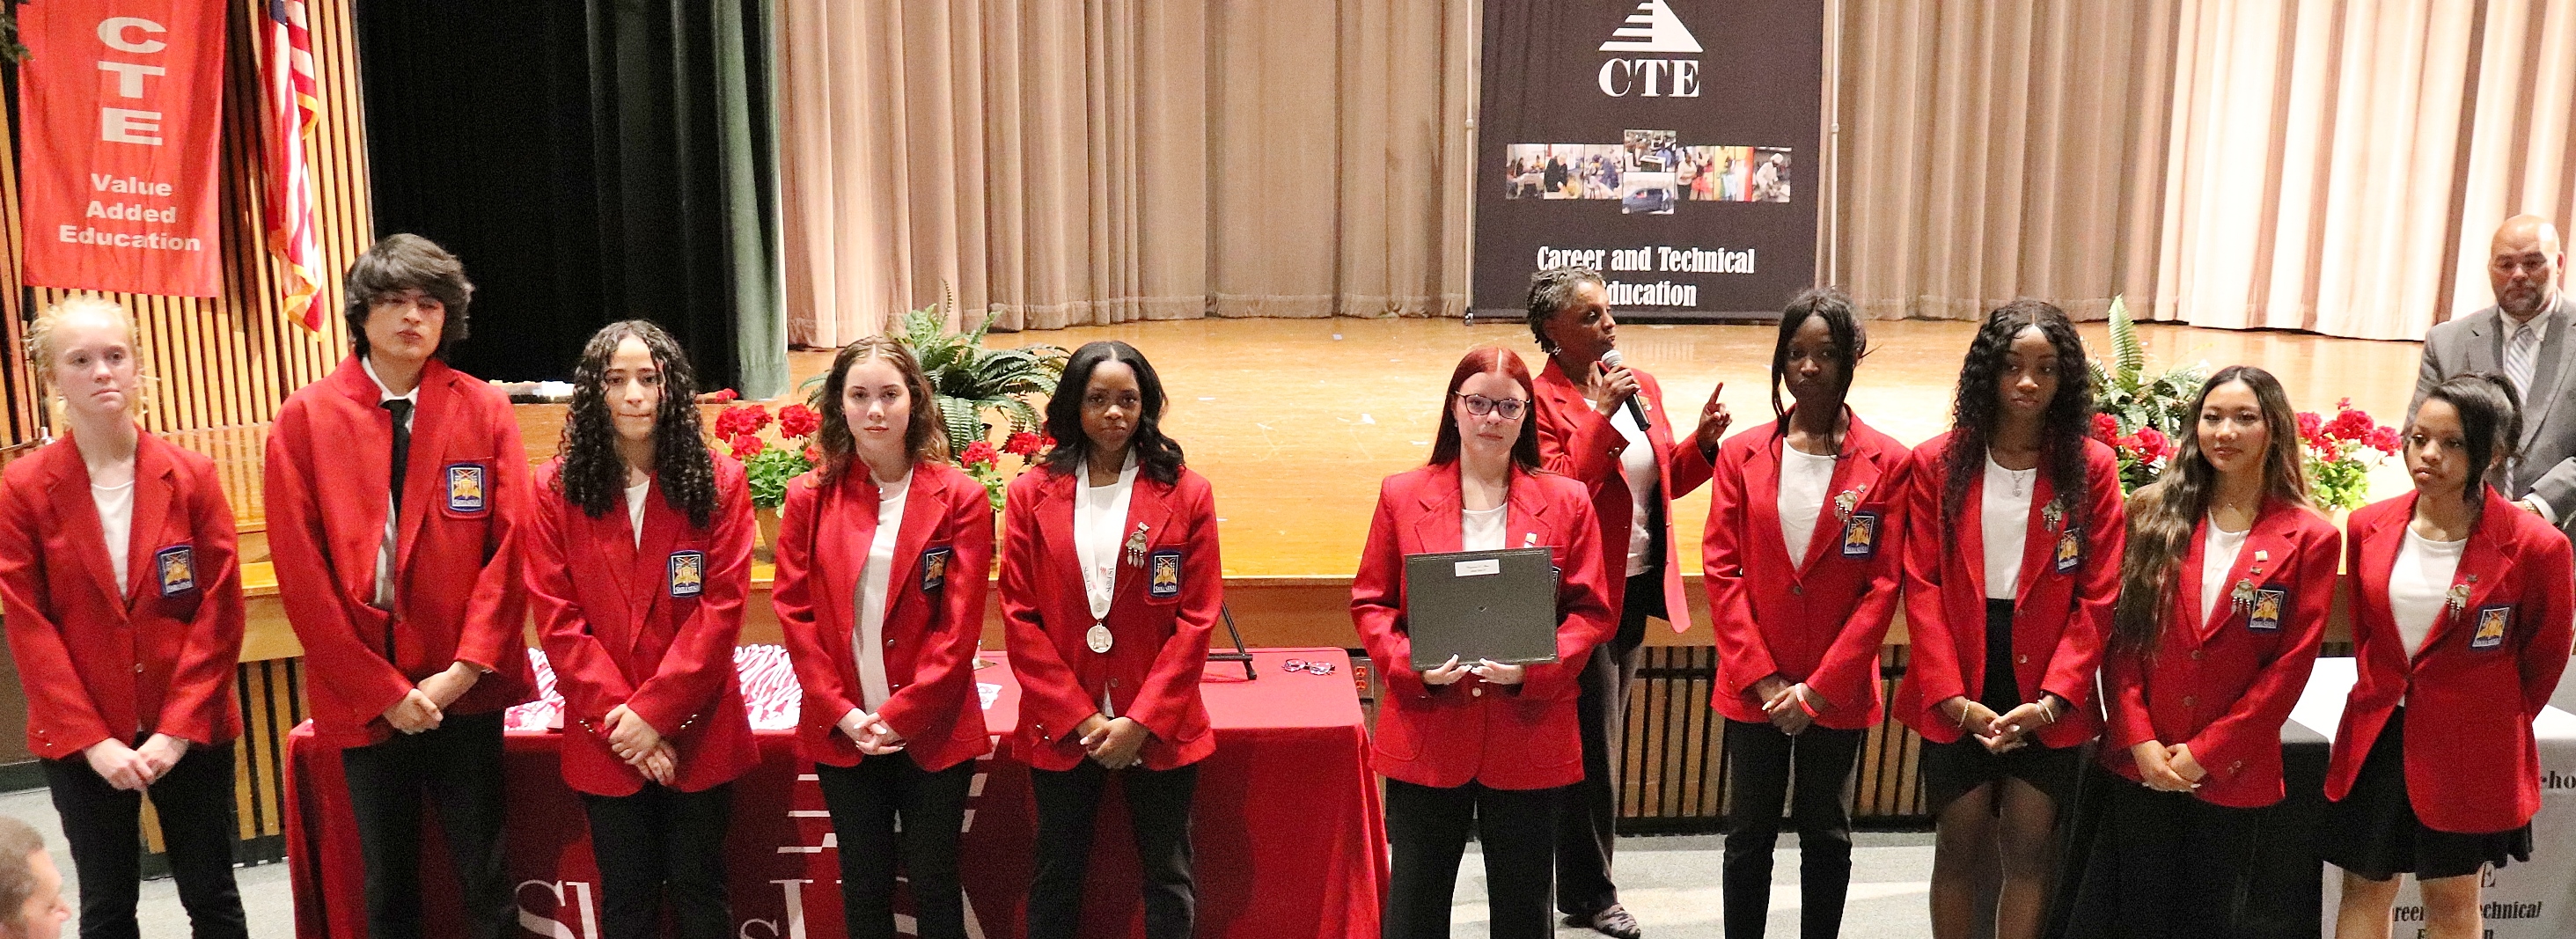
119, 101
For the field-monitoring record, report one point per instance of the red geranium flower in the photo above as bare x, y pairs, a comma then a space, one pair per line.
741, 419
979, 453
1024, 443
2349, 425
747, 445
2152, 444
2312, 430
2383, 439
797, 420
2106, 428
720, 396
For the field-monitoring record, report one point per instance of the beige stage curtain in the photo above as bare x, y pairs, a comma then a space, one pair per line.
2338, 165
1995, 149
1069, 164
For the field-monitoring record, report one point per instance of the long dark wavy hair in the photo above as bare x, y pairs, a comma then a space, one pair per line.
1850, 339
1976, 411
2163, 515
1500, 361
1158, 457
593, 478
2490, 419
922, 438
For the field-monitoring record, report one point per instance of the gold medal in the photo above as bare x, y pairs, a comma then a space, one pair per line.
1099, 639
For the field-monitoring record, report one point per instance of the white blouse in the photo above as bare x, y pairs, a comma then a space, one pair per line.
1804, 477
868, 642
1637, 466
2419, 585
2218, 551
635, 507
1482, 529
1099, 523
2005, 521
116, 520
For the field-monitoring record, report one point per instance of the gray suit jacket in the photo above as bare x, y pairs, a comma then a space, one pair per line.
2475, 343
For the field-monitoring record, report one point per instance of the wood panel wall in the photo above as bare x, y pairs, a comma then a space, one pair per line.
229, 360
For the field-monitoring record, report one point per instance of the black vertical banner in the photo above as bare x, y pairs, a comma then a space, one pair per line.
1672, 144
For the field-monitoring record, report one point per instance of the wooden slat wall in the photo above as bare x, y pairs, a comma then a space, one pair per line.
231, 360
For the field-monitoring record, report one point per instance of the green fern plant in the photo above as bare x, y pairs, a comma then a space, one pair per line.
970, 381
2138, 400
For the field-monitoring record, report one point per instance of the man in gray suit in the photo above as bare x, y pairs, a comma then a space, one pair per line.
2524, 337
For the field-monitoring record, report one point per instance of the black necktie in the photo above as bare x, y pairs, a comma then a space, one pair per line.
402, 445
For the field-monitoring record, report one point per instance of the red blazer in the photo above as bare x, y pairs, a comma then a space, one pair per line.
2471, 695
2059, 617
1818, 618
97, 658
2223, 685
1503, 736
1576, 441
650, 627
457, 586
1160, 637
823, 535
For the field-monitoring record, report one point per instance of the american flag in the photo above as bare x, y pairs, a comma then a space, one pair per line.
291, 104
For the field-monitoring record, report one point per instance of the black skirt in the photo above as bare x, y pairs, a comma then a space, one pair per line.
2374, 833
1954, 769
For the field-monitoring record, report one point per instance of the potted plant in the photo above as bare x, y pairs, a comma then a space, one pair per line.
2339, 454
974, 385
2137, 414
767, 465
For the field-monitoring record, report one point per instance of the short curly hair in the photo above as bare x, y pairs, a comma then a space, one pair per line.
1551, 290
403, 262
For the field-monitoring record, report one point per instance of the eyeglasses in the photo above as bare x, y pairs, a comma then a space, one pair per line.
1479, 405
1311, 668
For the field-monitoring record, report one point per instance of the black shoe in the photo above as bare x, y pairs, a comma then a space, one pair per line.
1613, 922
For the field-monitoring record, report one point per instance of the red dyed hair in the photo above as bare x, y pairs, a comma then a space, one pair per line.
1489, 360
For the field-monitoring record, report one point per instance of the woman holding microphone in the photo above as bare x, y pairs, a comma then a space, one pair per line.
122, 590
637, 573
882, 558
1801, 553
2460, 627
1110, 583
1602, 423
1477, 745
2012, 550
2224, 590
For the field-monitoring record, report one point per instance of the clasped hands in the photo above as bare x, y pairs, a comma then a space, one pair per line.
1114, 743
2008, 731
633, 739
871, 733
425, 705
135, 769
1493, 672
1792, 707
2168, 768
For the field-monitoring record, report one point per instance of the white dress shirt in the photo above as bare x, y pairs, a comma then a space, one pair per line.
2218, 553
1637, 466
2005, 521
868, 643
2419, 585
1482, 529
1804, 477
116, 521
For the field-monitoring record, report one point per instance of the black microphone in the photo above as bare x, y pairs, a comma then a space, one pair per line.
1610, 359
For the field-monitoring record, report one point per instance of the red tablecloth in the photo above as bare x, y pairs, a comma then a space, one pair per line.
1289, 834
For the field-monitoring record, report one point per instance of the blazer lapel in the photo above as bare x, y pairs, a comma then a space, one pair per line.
1439, 528
424, 479
1971, 535
2263, 551
1762, 496
1527, 517
920, 520
2379, 556
1827, 536
1055, 529
152, 472
1149, 506
77, 509
2039, 542
2479, 555
649, 572
2545, 377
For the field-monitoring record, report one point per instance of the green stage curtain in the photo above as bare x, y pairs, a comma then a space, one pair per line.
590, 162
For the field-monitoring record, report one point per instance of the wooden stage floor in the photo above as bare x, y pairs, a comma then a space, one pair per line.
1295, 421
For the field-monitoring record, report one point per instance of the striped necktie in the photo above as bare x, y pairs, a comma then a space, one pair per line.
2521, 357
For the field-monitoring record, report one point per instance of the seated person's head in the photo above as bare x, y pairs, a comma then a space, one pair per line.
31, 888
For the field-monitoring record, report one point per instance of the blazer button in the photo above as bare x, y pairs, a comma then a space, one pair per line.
889, 643
1798, 589
2187, 701
1478, 692
138, 668
2195, 655
2021, 660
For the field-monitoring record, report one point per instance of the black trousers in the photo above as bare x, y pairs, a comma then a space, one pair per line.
457, 767
662, 841
104, 826
1428, 827
1586, 823
2166, 864
865, 801
1766, 763
1158, 810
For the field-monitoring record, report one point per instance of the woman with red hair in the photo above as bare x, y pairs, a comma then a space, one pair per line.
1478, 744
